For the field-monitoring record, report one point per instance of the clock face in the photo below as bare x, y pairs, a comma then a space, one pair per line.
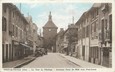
49, 29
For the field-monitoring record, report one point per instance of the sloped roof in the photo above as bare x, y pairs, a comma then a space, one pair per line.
50, 24
96, 5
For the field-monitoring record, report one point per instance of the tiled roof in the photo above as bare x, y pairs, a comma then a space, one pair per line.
50, 24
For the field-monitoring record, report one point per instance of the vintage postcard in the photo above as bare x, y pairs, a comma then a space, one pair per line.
57, 36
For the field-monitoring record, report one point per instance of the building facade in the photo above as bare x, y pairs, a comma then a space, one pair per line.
30, 36
40, 42
67, 41
30, 31
105, 38
59, 40
14, 33
83, 37
95, 34
35, 37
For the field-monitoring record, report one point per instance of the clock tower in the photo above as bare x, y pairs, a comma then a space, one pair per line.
49, 33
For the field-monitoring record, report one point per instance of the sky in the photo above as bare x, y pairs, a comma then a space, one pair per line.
62, 13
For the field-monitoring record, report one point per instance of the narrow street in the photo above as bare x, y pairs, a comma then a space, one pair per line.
75, 35
52, 60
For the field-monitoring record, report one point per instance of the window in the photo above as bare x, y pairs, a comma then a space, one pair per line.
97, 52
89, 51
87, 31
106, 29
4, 9
4, 24
74, 49
10, 29
94, 52
6, 52
106, 24
83, 51
110, 27
97, 25
13, 14
83, 32
10, 51
97, 11
13, 30
3, 52
20, 34
94, 27
102, 27
16, 31
93, 14
91, 29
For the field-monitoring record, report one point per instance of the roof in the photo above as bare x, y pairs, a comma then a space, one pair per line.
15, 8
50, 24
81, 18
96, 5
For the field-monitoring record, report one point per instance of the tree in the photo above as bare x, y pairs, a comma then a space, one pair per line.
72, 38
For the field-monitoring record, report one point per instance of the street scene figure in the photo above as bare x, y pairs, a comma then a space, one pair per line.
31, 41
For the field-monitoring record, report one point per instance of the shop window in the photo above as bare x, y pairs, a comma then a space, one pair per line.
6, 52
10, 51
89, 51
83, 51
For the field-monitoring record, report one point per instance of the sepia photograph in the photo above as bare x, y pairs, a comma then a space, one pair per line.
57, 35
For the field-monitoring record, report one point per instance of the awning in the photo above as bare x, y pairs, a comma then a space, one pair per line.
26, 46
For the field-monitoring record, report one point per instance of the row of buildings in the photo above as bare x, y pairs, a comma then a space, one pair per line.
90, 38
19, 34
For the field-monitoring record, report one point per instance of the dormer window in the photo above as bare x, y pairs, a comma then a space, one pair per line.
105, 8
